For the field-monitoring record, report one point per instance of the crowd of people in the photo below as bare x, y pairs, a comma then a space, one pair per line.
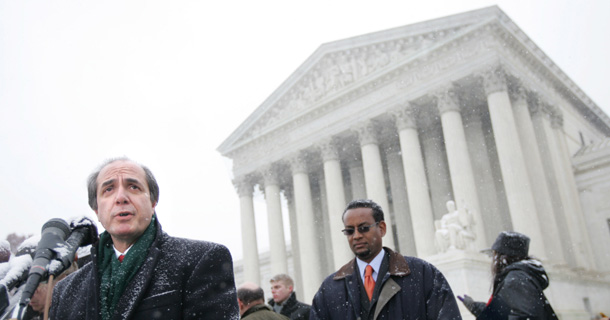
137, 271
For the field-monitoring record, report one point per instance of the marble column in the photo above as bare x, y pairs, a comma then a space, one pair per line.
420, 207
494, 217
373, 176
552, 170
435, 162
575, 222
294, 241
311, 270
460, 166
320, 210
519, 192
540, 188
248, 230
336, 203
400, 202
356, 174
277, 242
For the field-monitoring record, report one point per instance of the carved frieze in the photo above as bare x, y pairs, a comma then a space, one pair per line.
338, 70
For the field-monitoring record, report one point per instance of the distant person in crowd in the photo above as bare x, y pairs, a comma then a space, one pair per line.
380, 283
284, 299
137, 271
518, 282
251, 300
5, 251
36, 308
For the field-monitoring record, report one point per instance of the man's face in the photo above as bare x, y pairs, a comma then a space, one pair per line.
123, 202
368, 244
280, 291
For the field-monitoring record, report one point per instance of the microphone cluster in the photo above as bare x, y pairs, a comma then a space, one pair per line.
54, 253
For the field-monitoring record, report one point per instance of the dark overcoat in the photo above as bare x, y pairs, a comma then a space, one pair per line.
293, 309
411, 289
180, 279
518, 294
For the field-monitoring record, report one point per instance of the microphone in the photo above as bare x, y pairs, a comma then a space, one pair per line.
54, 232
16, 274
84, 232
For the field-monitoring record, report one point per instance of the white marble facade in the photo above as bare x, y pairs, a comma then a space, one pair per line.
464, 108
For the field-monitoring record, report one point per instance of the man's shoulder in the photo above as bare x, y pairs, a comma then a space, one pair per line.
177, 244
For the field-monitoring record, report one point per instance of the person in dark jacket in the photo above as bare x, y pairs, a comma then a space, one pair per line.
137, 271
380, 283
518, 283
251, 300
284, 299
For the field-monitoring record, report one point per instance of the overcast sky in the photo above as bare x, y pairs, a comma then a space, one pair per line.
165, 83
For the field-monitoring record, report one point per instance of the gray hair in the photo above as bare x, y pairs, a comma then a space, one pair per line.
153, 187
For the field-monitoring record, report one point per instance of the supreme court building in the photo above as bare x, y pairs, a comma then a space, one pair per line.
464, 108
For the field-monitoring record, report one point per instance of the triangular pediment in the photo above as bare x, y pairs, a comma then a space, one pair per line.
338, 69
338, 66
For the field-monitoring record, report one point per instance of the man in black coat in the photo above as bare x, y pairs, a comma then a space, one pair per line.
380, 283
137, 271
284, 299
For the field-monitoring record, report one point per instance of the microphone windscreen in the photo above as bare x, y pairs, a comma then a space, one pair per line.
85, 222
57, 225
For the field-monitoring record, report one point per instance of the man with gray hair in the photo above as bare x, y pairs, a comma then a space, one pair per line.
285, 300
137, 271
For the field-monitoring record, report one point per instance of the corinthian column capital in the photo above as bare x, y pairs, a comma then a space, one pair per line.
270, 175
518, 93
534, 104
328, 150
367, 133
556, 119
406, 117
494, 80
446, 100
297, 163
244, 186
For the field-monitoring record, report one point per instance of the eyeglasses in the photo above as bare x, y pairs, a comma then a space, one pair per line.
361, 229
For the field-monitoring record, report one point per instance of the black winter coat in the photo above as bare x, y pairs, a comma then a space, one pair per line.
293, 309
412, 289
180, 279
518, 294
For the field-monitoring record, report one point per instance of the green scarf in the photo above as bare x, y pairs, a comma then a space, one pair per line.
116, 275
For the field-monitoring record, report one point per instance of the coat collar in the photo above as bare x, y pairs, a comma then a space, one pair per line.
137, 286
398, 266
